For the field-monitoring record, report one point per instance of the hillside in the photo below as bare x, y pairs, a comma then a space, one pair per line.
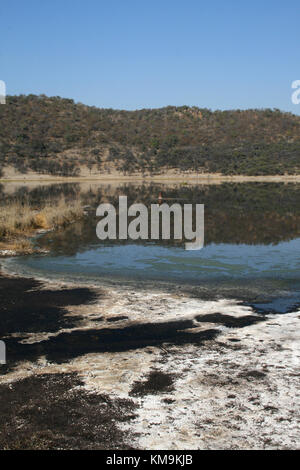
59, 137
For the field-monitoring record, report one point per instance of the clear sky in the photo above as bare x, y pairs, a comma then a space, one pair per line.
220, 54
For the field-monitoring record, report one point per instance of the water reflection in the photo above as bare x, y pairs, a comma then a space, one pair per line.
252, 231
251, 214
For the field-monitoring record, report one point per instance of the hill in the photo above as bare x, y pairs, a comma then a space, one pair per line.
60, 137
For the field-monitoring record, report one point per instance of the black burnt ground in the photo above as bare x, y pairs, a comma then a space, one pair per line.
55, 412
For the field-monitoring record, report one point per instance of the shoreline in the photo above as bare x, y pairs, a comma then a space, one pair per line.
168, 177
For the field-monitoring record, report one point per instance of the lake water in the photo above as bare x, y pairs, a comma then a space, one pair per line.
252, 241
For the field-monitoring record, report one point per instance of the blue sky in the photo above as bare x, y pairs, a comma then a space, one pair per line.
220, 54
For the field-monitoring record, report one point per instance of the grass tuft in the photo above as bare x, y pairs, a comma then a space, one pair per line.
19, 220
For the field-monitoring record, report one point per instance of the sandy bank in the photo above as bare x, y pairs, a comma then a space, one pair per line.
167, 177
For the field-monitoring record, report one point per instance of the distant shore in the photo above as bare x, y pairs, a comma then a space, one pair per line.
192, 178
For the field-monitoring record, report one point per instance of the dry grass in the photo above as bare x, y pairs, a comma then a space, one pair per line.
18, 220
19, 245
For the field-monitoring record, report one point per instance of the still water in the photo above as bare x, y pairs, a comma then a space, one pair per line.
252, 238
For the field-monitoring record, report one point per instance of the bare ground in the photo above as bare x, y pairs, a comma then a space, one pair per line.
11, 175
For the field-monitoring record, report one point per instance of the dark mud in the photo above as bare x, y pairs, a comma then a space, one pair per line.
253, 374
66, 346
115, 319
55, 412
156, 382
26, 307
229, 321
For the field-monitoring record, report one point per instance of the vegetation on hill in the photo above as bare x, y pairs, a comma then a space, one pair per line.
57, 136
